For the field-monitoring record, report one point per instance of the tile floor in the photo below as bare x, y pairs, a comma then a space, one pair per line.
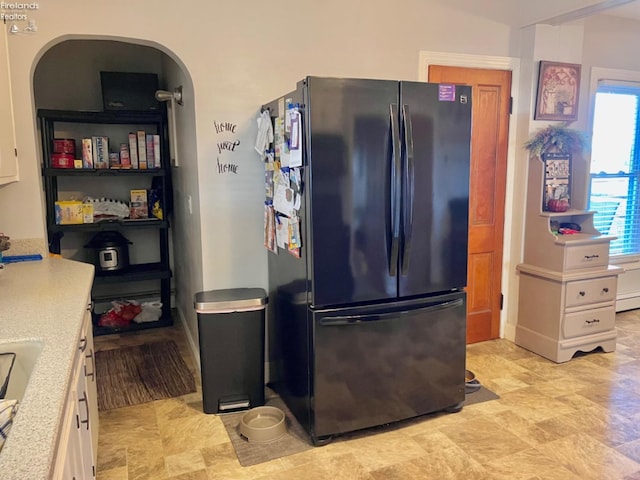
577, 420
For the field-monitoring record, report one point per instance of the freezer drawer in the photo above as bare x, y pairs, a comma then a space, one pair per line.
380, 364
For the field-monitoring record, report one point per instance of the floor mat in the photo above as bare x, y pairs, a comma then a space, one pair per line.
296, 440
141, 373
481, 395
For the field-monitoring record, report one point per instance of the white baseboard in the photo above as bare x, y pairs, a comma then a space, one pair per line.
628, 301
195, 351
628, 297
510, 332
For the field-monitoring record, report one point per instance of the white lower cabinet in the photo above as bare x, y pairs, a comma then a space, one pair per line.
561, 313
68, 448
78, 442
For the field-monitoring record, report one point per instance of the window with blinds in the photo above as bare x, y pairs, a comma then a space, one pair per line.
615, 165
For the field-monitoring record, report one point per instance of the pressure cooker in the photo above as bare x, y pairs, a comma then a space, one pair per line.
110, 251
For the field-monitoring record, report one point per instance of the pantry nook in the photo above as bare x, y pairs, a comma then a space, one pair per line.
81, 185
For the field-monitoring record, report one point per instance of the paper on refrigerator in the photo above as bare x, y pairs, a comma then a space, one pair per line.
265, 133
282, 231
283, 195
269, 229
295, 141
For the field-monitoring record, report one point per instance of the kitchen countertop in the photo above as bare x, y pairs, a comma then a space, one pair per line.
43, 301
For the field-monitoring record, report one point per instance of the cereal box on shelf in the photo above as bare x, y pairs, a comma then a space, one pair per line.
139, 207
100, 152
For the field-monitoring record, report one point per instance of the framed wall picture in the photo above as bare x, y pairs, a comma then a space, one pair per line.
558, 91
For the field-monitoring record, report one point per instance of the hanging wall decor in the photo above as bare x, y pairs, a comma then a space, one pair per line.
555, 145
558, 91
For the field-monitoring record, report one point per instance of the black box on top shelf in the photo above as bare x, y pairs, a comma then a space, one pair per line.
129, 91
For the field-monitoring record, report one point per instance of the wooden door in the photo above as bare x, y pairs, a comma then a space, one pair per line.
491, 90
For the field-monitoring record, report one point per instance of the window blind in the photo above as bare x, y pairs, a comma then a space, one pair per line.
615, 165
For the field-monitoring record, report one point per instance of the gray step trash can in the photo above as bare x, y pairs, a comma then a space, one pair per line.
231, 327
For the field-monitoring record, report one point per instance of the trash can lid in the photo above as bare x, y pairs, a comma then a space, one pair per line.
230, 300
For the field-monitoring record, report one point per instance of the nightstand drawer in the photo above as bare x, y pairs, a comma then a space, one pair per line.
586, 256
589, 321
584, 292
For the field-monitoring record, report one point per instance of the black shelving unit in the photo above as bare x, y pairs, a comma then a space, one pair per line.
52, 122
100, 172
99, 330
109, 225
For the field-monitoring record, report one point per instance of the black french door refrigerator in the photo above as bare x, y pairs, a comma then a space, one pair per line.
368, 325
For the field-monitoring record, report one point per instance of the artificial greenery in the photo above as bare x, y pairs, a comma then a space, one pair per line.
556, 138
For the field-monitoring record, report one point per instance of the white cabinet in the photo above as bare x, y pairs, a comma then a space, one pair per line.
8, 152
561, 313
89, 374
78, 443
68, 447
567, 289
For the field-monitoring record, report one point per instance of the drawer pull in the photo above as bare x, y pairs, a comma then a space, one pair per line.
582, 294
590, 257
595, 320
83, 344
86, 406
90, 374
605, 290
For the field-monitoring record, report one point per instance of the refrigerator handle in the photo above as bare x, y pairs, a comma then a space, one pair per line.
408, 191
359, 319
396, 187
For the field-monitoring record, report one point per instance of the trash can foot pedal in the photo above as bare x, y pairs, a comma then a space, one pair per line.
227, 406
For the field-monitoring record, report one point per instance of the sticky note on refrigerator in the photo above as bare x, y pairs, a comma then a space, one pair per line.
295, 143
447, 92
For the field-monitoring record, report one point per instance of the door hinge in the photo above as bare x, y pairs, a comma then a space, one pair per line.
15, 151
510, 105
501, 301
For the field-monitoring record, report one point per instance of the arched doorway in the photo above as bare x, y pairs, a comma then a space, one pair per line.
67, 77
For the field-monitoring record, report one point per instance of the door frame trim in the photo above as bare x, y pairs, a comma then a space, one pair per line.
511, 253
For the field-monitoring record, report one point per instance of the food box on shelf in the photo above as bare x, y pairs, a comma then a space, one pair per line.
114, 160
87, 212
64, 145
142, 148
62, 160
125, 158
100, 145
87, 153
133, 149
69, 212
139, 207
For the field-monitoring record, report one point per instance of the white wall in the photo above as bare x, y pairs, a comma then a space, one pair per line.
609, 42
185, 228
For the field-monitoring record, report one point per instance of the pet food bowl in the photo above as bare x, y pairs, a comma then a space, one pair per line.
471, 383
263, 424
